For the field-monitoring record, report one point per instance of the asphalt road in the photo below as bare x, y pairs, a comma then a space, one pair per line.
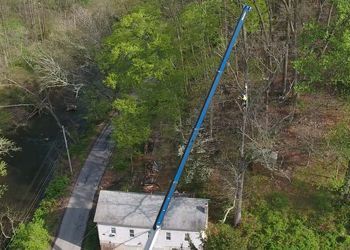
73, 226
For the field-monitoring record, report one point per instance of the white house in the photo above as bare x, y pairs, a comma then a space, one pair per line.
124, 220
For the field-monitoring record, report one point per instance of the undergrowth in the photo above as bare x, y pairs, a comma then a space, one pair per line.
273, 223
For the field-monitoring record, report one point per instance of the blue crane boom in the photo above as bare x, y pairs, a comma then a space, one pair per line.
162, 212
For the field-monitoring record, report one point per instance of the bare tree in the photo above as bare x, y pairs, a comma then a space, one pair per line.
242, 163
8, 222
51, 74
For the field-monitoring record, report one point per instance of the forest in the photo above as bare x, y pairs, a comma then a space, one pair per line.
273, 155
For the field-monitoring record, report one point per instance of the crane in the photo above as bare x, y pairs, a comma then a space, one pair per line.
163, 210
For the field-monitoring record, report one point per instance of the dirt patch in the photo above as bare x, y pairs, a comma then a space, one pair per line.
315, 115
109, 179
303, 152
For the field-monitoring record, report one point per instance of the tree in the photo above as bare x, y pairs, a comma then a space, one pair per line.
202, 39
132, 125
139, 64
223, 237
47, 50
325, 49
6, 146
7, 219
346, 186
137, 52
32, 236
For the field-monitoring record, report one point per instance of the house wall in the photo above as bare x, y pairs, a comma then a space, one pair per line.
124, 241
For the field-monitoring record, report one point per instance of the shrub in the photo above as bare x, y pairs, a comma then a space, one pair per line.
337, 139
32, 236
280, 231
278, 201
223, 237
44, 209
57, 187
299, 236
322, 201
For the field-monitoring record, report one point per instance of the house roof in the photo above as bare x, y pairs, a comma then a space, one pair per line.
140, 210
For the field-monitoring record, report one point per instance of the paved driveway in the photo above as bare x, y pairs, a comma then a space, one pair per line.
73, 226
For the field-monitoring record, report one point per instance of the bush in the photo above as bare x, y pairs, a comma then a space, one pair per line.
338, 140
55, 190
57, 187
280, 231
32, 236
44, 209
98, 106
332, 240
299, 236
322, 201
223, 237
278, 201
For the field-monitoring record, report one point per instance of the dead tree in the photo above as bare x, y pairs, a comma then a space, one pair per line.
8, 222
242, 163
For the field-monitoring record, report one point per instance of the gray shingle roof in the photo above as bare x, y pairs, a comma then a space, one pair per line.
140, 211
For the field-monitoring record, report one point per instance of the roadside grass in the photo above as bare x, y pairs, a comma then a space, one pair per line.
80, 150
43, 221
47, 210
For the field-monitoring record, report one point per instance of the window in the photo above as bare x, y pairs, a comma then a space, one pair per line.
168, 236
187, 236
132, 233
113, 231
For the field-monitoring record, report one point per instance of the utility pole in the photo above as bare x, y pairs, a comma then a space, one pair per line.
68, 155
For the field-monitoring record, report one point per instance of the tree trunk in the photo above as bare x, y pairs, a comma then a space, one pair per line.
346, 185
286, 58
211, 120
242, 163
5, 44
239, 196
295, 38
330, 15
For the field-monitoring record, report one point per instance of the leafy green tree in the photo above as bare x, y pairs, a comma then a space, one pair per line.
200, 36
137, 52
139, 62
325, 50
6, 146
132, 125
32, 236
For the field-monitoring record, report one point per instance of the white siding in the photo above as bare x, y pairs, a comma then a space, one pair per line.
141, 235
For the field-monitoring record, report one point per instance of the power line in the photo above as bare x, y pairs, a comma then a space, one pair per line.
50, 164
32, 204
40, 192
